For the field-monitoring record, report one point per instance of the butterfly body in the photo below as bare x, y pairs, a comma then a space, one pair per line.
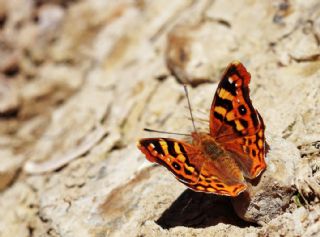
207, 145
217, 162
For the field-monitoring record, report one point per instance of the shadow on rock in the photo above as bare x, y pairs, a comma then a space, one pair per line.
199, 210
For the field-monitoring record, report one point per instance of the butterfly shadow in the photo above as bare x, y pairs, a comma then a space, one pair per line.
200, 210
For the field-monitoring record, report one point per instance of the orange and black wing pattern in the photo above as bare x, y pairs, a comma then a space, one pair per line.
180, 158
236, 129
190, 167
222, 178
235, 123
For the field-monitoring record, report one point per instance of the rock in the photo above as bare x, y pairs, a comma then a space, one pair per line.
9, 100
307, 178
270, 195
185, 53
68, 66
301, 222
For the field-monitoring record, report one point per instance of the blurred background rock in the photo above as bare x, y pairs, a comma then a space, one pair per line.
79, 80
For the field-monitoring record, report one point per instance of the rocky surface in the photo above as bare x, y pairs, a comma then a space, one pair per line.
79, 80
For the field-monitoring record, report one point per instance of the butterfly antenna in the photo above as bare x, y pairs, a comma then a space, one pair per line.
189, 105
157, 131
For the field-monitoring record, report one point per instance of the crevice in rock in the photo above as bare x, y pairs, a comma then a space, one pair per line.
63, 3
13, 180
308, 58
11, 113
30, 231
162, 29
220, 21
313, 31
3, 19
52, 232
194, 82
309, 149
200, 210
12, 69
298, 199
288, 130
161, 77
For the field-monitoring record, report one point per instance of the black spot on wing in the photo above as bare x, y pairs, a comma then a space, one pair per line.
176, 166
220, 185
178, 176
242, 110
254, 153
187, 172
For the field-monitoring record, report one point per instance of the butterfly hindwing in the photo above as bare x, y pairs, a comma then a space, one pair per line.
250, 151
215, 177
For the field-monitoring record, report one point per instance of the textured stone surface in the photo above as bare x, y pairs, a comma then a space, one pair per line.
79, 80
270, 195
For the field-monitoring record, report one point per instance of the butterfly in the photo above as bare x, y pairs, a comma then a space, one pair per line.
234, 150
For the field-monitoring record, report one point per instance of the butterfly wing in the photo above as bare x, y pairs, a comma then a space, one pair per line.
190, 166
180, 158
235, 124
251, 151
222, 177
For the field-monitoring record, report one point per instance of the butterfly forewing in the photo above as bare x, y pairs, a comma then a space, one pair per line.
232, 114
181, 158
235, 124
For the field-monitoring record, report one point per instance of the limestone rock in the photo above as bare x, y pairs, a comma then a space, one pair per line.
10, 165
307, 178
270, 195
70, 67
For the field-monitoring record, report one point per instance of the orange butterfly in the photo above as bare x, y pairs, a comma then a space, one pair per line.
234, 149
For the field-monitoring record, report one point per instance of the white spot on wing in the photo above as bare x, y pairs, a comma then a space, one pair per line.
230, 80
